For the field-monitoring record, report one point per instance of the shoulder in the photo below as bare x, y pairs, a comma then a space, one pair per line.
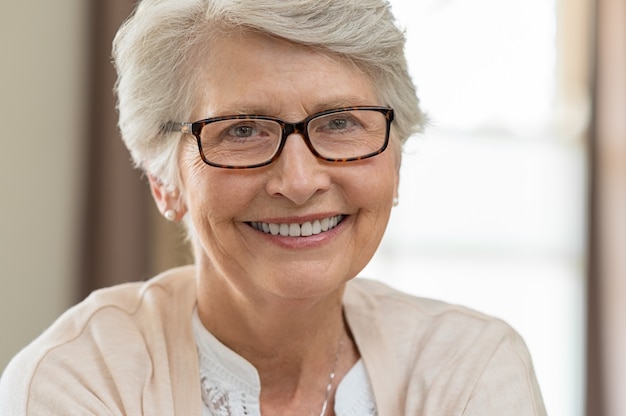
396, 309
441, 356
134, 303
112, 332
129, 298
393, 314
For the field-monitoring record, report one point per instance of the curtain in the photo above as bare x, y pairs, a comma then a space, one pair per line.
123, 236
607, 278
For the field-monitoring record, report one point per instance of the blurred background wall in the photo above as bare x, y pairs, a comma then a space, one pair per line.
76, 216
43, 75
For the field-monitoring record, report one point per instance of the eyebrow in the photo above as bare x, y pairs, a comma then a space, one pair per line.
344, 102
273, 110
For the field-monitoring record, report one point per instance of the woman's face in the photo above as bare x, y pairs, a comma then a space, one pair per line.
254, 74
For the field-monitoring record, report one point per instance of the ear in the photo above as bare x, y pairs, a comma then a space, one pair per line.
166, 199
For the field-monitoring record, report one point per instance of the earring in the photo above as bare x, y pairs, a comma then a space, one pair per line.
170, 215
395, 201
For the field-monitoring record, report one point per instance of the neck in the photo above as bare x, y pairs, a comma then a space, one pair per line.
273, 328
272, 332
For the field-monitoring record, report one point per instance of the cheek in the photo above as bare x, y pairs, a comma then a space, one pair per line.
196, 185
192, 168
376, 185
214, 194
396, 151
201, 183
374, 196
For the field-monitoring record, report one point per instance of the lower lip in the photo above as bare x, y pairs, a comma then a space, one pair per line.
311, 241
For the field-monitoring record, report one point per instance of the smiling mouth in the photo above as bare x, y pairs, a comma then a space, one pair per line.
306, 229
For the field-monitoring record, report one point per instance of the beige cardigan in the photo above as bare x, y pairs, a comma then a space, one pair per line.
129, 350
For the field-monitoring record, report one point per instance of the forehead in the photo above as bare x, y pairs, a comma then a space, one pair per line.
248, 72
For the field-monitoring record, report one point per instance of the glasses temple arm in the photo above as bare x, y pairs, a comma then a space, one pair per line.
173, 127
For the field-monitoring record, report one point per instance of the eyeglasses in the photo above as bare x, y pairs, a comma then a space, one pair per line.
250, 141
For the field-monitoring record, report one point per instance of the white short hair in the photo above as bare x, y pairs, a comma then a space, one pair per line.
155, 52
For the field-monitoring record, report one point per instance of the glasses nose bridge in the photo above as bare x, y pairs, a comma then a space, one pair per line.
300, 128
295, 128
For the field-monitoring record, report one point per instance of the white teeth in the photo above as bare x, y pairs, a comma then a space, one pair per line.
306, 229
299, 230
317, 227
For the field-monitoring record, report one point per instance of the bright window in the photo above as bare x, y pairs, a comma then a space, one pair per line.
492, 195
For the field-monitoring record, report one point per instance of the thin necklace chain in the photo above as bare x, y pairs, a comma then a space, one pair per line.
331, 377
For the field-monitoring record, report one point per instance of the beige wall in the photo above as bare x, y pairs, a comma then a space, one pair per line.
42, 112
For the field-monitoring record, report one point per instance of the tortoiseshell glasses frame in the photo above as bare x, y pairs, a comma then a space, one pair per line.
358, 133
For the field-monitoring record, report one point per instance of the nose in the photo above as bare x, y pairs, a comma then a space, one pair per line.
297, 174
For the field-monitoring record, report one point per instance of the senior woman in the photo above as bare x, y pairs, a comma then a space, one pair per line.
273, 131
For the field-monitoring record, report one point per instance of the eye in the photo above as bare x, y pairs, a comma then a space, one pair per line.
334, 124
339, 123
242, 131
